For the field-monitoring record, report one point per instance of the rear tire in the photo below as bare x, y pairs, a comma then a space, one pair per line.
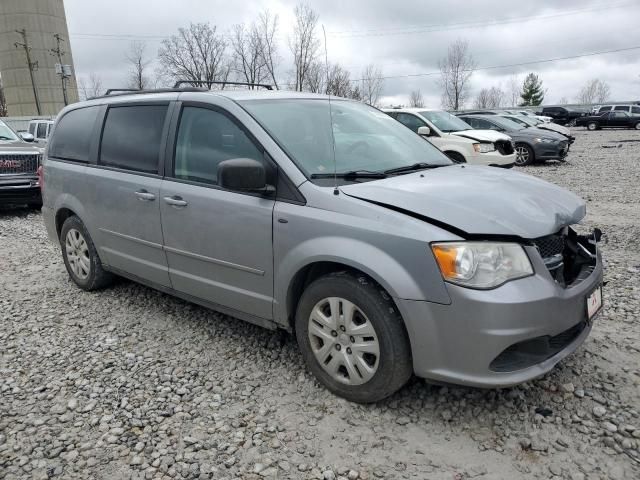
352, 337
592, 126
524, 154
456, 157
637, 126
81, 257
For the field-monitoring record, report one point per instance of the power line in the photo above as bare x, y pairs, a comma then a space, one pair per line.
521, 64
378, 32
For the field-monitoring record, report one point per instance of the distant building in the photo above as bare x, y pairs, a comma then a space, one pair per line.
41, 21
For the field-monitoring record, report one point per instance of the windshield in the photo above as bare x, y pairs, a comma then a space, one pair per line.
365, 138
524, 121
445, 121
506, 123
6, 134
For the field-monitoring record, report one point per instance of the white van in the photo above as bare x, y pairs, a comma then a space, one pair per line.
457, 139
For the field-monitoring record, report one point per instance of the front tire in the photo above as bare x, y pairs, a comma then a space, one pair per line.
524, 154
592, 126
637, 126
352, 337
80, 256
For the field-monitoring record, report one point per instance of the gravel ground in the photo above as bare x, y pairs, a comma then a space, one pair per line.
130, 383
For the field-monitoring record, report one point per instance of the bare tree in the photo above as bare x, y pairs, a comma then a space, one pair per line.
338, 81
371, 84
416, 99
563, 101
490, 98
514, 88
595, 90
138, 65
456, 70
90, 87
304, 45
267, 28
248, 62
315, 79
197, 53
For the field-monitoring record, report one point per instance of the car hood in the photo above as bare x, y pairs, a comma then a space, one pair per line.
535, 132
482, 135
18, 146
475, 200
554, 127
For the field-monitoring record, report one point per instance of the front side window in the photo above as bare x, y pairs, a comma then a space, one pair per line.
365, 138
73, 135
410, 121
131, 137
206, 138
445, 121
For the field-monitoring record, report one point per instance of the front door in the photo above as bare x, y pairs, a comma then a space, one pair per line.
218, 242
125, 192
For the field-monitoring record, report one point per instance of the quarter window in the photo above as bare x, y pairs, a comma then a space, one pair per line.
131, 137
206, 138
73, 135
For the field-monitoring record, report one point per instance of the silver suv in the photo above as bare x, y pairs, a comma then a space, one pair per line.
330, 220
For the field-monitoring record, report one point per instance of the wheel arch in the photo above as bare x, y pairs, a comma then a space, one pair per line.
451, 151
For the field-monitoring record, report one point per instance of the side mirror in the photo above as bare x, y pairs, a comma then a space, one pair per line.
244, 175
425, 131
26, 136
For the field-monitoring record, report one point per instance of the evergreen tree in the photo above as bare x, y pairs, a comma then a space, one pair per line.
532, 92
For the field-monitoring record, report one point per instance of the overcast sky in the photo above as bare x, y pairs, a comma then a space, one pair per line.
403, 37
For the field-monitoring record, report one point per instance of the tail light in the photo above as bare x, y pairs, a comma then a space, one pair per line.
41, 178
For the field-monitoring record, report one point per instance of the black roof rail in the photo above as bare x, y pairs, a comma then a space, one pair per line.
121, 90
209, 83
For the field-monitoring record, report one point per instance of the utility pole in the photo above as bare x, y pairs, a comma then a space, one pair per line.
33, 66
58, 52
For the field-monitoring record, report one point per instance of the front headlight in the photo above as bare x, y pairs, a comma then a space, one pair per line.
484, 147
545, 140
481, 264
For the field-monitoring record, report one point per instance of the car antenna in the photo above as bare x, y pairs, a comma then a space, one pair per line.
333, 139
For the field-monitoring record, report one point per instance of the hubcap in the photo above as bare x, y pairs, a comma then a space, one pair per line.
77, 254
522, 155
344, 341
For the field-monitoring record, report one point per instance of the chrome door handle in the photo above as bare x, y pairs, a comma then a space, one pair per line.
144, 195
176, 201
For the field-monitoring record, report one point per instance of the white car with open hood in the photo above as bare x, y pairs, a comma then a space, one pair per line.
456, 138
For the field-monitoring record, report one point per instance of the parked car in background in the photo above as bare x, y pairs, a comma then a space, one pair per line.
633, 110
457, 139
564, 115
19, 162
330, 220
532, 114
610, 119
526, 121
532, 144
40, 129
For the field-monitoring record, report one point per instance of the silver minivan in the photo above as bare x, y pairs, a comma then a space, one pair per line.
331, 220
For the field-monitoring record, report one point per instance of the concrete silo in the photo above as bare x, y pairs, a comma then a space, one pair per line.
41, 25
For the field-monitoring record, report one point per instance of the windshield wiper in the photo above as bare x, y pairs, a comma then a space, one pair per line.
351, 174
411, 168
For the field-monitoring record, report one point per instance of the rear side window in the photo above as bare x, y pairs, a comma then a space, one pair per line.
623, 108
131, 137
42, 130
635, 109
206, 138
72, 139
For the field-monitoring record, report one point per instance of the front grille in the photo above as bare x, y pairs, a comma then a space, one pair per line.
19, 163
505, 147
536, 350
550, 245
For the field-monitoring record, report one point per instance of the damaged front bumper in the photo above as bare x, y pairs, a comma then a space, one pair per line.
511, 334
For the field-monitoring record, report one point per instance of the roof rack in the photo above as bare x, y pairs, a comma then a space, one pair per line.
209, 83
